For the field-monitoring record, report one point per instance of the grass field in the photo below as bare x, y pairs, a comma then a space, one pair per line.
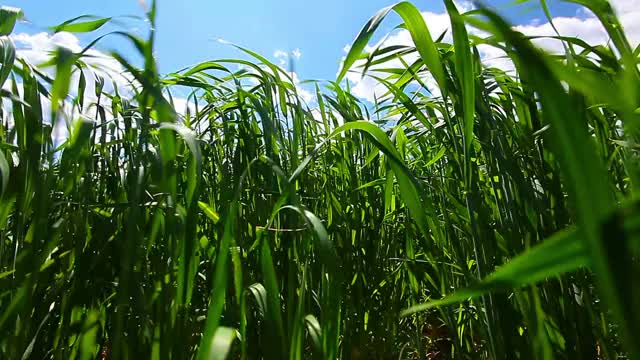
470, 213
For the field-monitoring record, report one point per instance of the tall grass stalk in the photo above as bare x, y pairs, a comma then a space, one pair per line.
492, 215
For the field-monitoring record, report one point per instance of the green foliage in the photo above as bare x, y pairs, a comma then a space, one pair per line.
495, 216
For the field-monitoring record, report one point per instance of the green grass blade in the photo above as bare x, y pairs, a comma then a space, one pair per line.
8, 17
414, 23
561, 253
75, 25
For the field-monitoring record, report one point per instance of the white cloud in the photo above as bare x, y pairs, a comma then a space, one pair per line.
306, 95
368, 88
182, 105
37, 48
331, 116
282, 57
583, 25
296, 53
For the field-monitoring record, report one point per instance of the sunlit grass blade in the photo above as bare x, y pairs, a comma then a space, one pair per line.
414, 23
561, 253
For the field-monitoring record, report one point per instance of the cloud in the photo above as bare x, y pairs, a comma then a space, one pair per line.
36, 49
331, 115
283, 58
368, 88
583, 25
306, 95
296, 53
182, 106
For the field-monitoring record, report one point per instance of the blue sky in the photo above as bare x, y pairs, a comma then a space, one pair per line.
187, 29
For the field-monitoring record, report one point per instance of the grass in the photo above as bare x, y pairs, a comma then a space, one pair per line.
493, 215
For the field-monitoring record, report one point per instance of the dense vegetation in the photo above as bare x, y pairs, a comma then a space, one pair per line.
491, 216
